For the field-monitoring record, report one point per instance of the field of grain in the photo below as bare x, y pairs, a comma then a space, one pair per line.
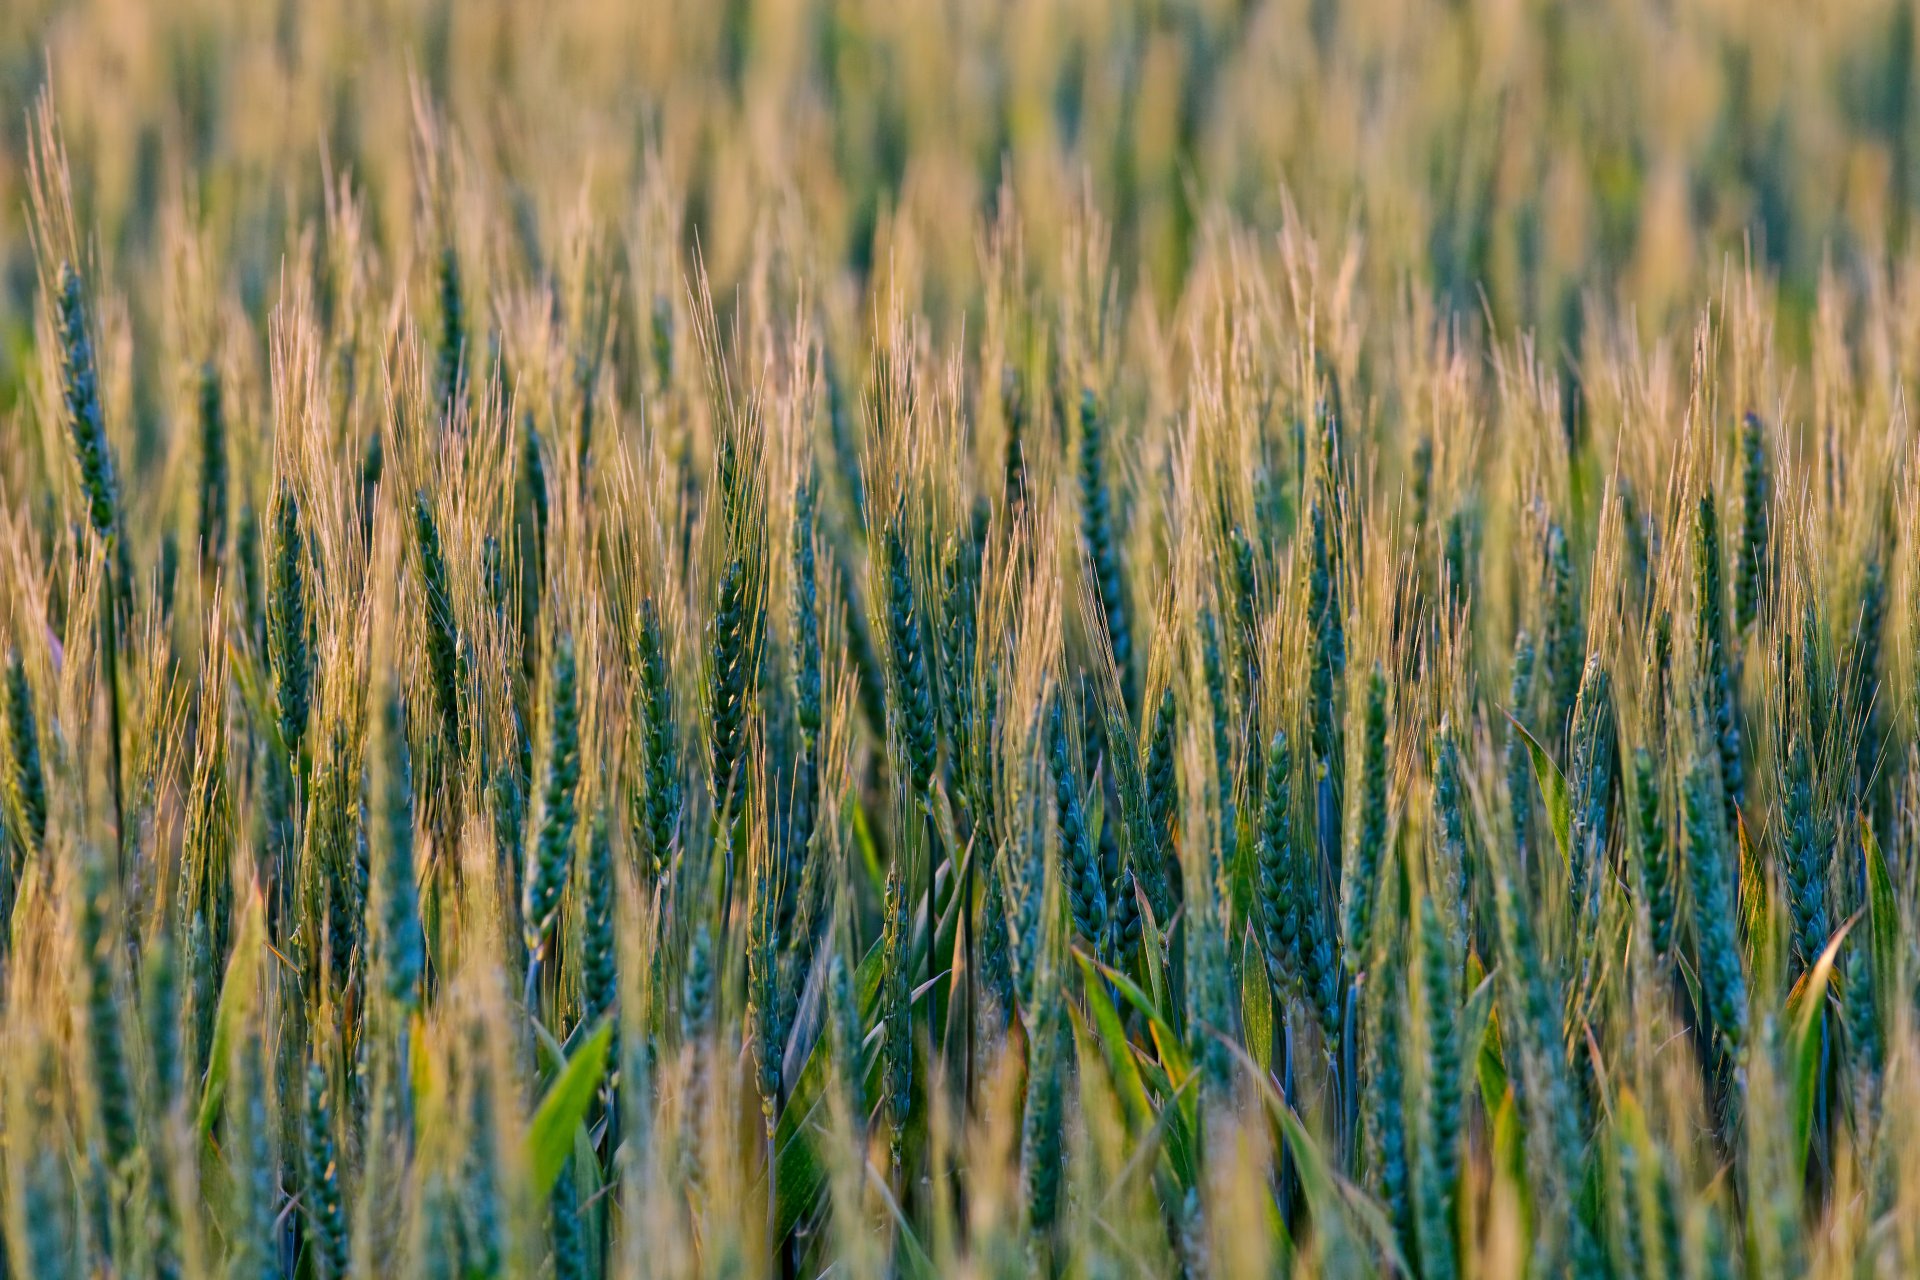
959, 638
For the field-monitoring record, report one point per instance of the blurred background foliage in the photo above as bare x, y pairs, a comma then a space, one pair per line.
1510, 154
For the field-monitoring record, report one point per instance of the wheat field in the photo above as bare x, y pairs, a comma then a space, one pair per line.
958, 638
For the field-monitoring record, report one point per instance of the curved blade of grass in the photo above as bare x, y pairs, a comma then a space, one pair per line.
1153, 946
1331, 1202
236, 1000
1476, 1025
802, 1174
1553, 788
1883, 916
1256, 1004
1128, 989
1165, 1038
1116, 1050
550, 1134
1691, 980
916, 1262
1806, 1014
1107, 1116
1148, 1145
1757, 905
1490, 1067
869, 852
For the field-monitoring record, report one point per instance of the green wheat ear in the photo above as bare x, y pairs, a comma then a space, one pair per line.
1455, 865
1360, 881
443, 636
848, 1036
1211, 991
46, 1209
1459, 555
1564, 649
959, 652
160, 1005
1041, 1145
1756, 495
1863, 666
896, 1012
253, 589
1383, 1110
1103, 549
653, 692
1420, 481
805, 607
373, 465
396, 893
250, 1123
1865, 1043
1279, 894
1079, 865
80, 395
1245, 601
1656, 857
450, 372
533, 469
1123, 919
106, 1049
481, 1236
1659, 673
1592, 772
434, 1250
662, 328
322, 1202
87, 431
552, 850
696, 988
1320, 957
1633, 536
910, 687
213, 467
730, 683
493, 574
599, 976
287, 641
804, 647
1013, 410
1532, 1002
1722, 978
846, 445
1518, 767
1807, 842
1716, 662
763, 974
1220, 698
1438, 1144
1163, 794
996, 949
203, 978
26, 777
569, 1238
1326, 679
